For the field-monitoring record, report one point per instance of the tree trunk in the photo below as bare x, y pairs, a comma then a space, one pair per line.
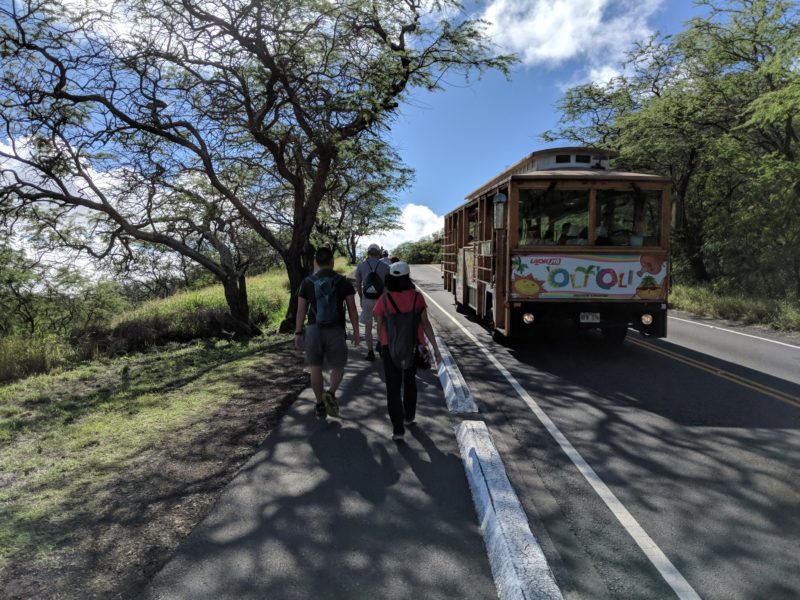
235, 287
352, 243
298, 269
691, 242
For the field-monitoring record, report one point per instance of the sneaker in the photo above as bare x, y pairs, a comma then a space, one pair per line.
330, 404
319, 409
370, 356
398, 437
409, 422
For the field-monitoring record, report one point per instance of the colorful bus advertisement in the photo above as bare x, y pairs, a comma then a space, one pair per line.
587, 276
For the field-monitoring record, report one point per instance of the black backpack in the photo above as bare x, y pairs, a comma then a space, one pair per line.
373, 284
326, 309
402, 330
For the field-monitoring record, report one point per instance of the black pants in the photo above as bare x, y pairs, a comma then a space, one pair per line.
398, 380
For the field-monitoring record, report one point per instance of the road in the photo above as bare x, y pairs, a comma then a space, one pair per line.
687, 476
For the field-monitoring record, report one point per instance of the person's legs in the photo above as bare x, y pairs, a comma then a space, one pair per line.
317, 382
366, 319
314, 358
409, 394
394, 379
334, 349
336, 379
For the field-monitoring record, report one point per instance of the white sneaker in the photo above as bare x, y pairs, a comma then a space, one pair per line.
398, 437
409, 422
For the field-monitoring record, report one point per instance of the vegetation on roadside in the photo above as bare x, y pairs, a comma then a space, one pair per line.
184, 316
64, 436
422, 252
201, 313
781, 314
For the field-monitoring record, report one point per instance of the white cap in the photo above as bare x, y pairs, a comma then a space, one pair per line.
399, 269
373, 249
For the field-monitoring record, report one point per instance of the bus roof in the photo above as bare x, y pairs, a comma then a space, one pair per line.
530, 168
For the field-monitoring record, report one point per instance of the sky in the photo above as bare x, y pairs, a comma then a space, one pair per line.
459, 138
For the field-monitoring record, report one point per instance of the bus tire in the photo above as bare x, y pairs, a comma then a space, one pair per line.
614, 335
499, 337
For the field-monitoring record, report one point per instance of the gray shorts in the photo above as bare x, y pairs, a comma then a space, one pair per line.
326, 345
365, 318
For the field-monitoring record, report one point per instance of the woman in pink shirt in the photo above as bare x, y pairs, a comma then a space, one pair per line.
401, 384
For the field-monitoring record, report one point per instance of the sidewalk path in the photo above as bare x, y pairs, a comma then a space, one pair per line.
336, 509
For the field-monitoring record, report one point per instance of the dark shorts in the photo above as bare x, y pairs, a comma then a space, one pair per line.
325, 344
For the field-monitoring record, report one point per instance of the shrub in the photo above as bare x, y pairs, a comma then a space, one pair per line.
781, 314
22, 355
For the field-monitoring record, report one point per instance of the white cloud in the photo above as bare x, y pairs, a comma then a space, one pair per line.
417, 222
551, 32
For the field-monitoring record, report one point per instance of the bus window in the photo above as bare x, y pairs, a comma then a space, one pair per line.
548, 216
628, 218
472, 219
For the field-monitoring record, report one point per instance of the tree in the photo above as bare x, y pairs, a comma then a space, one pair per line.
363, 201
715, 109
40, 297
423, 251
261, 99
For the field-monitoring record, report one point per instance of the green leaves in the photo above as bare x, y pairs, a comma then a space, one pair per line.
715, 109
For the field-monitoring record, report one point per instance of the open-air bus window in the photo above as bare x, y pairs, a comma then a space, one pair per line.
473, 225
550, 217
628, 218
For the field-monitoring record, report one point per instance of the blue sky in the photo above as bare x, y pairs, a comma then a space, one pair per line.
458, 138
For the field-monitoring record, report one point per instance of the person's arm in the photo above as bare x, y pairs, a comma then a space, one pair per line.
359, 291
428, 329
300, 317
378, 316
351, 310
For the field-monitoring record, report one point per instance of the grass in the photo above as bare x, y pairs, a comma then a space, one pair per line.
782, 314
199, 313
22, 355
65, 436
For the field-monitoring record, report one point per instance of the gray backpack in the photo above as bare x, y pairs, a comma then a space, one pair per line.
402, 330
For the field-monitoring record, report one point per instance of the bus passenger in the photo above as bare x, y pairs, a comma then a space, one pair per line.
572, 235
564, 233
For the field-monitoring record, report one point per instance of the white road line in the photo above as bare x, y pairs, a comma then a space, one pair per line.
656, 556
755, 337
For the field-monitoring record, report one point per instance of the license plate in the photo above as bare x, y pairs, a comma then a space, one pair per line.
590, 317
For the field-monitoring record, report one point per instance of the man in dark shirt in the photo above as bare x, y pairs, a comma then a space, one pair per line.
325, 343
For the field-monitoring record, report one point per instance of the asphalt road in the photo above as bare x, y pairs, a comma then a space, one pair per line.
697, 436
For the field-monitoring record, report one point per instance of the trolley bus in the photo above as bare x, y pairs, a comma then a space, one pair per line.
559, 236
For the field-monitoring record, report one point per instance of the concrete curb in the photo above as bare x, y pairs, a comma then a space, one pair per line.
517, 561
456, 392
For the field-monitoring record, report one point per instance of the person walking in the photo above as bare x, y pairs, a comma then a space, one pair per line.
401, 298
322, 298
370, 277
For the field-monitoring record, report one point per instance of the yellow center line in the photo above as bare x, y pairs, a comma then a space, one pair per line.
722, 373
